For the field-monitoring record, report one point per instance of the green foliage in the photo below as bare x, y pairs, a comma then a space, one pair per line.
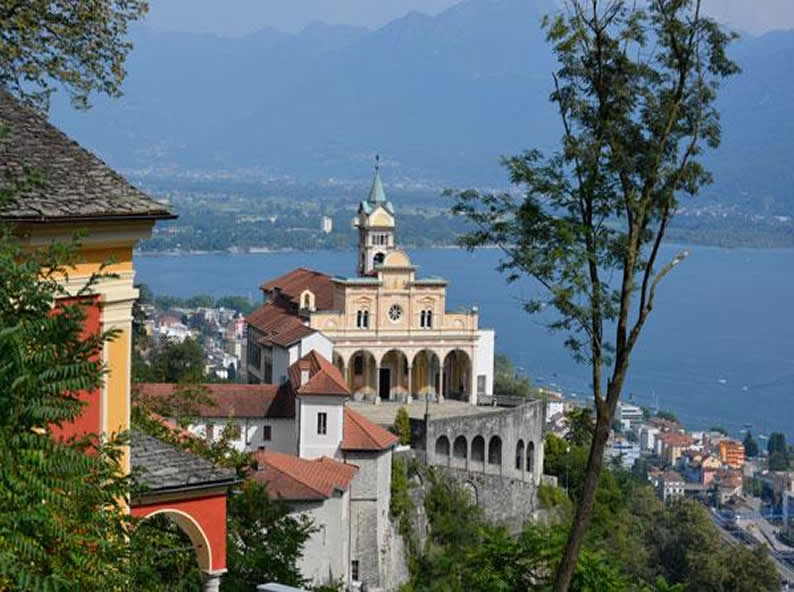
165, 560
750, 445
719, 429
508, 382
264, 541
80, 45
667, 415
550, 496
778, 452
402, 426
62, 519
778, 461
178, 362
237, 303
581, 426
401, 504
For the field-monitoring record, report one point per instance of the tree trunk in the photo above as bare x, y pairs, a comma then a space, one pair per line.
584, 508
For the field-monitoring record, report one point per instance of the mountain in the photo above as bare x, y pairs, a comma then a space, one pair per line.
442, 98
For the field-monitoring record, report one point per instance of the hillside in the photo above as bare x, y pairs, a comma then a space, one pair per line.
441, 97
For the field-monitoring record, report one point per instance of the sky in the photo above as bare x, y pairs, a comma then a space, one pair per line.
238, 17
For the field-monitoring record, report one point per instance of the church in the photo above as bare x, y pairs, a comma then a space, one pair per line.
387, 329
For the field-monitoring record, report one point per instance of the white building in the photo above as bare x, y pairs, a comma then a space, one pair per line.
327, 461
327, 224
629, 415
391, 335
620, 448
648, 436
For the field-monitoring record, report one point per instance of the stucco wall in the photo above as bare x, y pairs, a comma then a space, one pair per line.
312, 444
325, 555
316, 342
483, 362
282, 432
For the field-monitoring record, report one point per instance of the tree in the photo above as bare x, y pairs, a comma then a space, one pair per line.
265, 542
750, 445
580, 426
506, 381
778, 461
80, 45
178, 361
402, 426
63, 523
635, 92
667, 415
777, 443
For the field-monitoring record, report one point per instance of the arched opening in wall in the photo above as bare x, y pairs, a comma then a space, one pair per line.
361, 374
520, 455
471, 491
442, 448
456, 375
531, 457
495, 451
460, 448
425, 373
166, 543
393, 379
378, 259
339, 362
478, 452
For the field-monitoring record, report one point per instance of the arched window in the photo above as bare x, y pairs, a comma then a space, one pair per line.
306, 301
378, 259
495, 451
478, 449
530, 457
442, 446
422, 319
362, 319
426, 319
358, 365
460, 449
520, 455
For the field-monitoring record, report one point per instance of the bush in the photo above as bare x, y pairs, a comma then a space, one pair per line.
402, 426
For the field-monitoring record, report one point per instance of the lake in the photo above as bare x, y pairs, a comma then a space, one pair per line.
718, 348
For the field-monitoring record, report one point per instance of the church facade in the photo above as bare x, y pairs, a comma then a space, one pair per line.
391, 335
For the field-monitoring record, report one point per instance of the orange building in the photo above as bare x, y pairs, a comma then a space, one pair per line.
78, 193
732, 453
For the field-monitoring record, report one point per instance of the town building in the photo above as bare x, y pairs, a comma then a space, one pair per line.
672, 445
328, 461
77, 194
670, 486
629, 415
620, 449
648, 436
387, 329
327, 225
732, 453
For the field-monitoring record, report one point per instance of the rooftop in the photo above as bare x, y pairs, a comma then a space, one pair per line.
278, 324
384, 414
292, 284
324, 377
292, 478
361, 434
76, 184
232, 400
164, 467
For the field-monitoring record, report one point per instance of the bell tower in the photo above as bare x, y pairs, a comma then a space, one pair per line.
375, 226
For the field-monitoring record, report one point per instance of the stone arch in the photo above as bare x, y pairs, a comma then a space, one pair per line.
425, 372
361, 373
442, 446
520, 456
339, 362
478, 452
456, 375
460, 448
495, 451
378, 259
471, 490
531, 457
396, 362
195, 533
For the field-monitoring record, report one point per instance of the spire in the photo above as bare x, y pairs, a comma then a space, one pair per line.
376, 193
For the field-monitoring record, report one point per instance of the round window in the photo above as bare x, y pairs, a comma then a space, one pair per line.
395, 312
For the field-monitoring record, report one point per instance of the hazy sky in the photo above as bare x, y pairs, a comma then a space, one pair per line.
236, 17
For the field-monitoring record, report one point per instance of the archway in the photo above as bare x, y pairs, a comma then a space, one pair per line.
520, 456
442, 448
339, 362
531, 458
460, 451
378, 259
478, 453
361, 374
471, 490
495, 451
456, 375
393, 379
425, 373
161, 548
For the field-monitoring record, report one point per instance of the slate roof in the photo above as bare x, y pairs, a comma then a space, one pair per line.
296, 281
298, 479
234, 400
324, 377
77, 184
167, 468
359, 433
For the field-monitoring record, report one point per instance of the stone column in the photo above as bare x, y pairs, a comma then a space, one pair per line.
410, 383
212, 580
443, 380
377, 382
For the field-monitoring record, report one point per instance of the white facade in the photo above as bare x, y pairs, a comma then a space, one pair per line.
326, 554
483, 361
320, 425
255, 432
648, 436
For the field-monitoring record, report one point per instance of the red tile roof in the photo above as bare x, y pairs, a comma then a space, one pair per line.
359, 433
234, 400
296, 281
278, 324
676, 439
672, 477
292, 478
324, 377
